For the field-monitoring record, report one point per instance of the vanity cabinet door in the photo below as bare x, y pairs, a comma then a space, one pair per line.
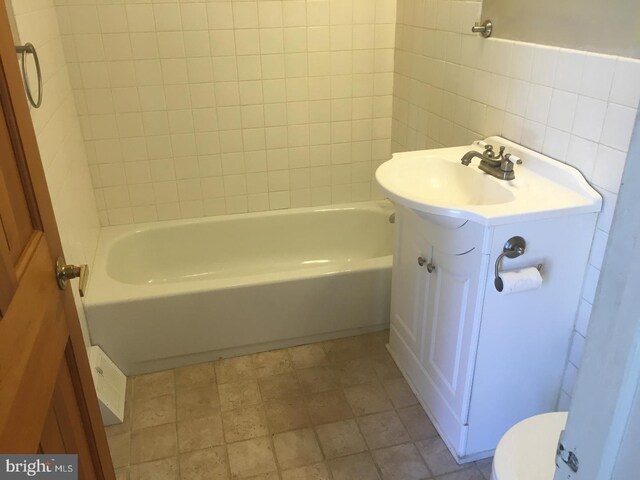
410, 282
453, 308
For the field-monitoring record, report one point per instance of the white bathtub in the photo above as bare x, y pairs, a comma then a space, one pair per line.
169, 294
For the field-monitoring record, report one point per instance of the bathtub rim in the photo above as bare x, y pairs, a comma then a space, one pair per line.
103, 289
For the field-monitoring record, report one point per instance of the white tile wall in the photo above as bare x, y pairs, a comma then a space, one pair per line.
60, 138
213, 107
452, 87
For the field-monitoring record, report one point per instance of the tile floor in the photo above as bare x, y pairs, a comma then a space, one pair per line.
333, 410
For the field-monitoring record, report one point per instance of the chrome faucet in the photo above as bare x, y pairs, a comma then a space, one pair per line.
499, 165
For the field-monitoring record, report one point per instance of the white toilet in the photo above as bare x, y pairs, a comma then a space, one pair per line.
528, 450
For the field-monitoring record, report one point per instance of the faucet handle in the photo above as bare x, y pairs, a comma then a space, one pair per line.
513, 159
509, 161
491, 154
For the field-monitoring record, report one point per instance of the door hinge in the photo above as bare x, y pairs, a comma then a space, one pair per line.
570, 458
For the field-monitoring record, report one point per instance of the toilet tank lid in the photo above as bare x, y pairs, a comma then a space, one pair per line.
528, 450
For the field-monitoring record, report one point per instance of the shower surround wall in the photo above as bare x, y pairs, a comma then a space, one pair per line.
60, 139
452, 87
219, 107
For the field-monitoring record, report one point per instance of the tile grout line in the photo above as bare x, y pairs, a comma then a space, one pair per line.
269, 431
306, 409
369, 451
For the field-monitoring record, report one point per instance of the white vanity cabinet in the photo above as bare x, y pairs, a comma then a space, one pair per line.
452, 304
480, 361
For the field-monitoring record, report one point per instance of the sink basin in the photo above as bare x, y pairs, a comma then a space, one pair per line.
436, 184
440, 182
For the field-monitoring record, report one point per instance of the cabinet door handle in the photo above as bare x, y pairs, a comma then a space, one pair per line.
430, 266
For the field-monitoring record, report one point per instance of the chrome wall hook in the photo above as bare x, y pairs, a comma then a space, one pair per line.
24, 50
485, 29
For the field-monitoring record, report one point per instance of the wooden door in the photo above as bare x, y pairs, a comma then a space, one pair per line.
47, 399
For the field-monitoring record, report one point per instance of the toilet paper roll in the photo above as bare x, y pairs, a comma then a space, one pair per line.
521, 280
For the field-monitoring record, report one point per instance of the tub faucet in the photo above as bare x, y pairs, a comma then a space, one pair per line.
499, 165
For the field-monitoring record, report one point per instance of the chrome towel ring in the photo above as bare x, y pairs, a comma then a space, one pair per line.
23, 50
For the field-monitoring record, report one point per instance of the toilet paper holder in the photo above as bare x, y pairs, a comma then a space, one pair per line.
513, 248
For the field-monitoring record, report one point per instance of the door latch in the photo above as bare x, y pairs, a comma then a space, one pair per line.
570, 458
65, 272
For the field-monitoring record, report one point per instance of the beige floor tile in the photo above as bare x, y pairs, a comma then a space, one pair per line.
128, 392
385, 367
165, 469
307, 356
297, 448
328, 407
399, 392
265, 476
197, 402
234, 369
285, 385
150, 412
194, 376
225, 411
318, 471
469, 473
401, 462
379, 352
318, 379
251, 457
356, 372
244, 423
120, 448
200, 432
122, 473
437, 456
354, 467
485, 467
416, 422
154, 443
367, 398
378, 339
340, 438
383, 429
125, 426
271, 363
286, 414
344, 349
239, 394
154, 385
208, 464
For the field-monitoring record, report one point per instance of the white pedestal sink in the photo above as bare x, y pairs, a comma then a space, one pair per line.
479, 360
435, 182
